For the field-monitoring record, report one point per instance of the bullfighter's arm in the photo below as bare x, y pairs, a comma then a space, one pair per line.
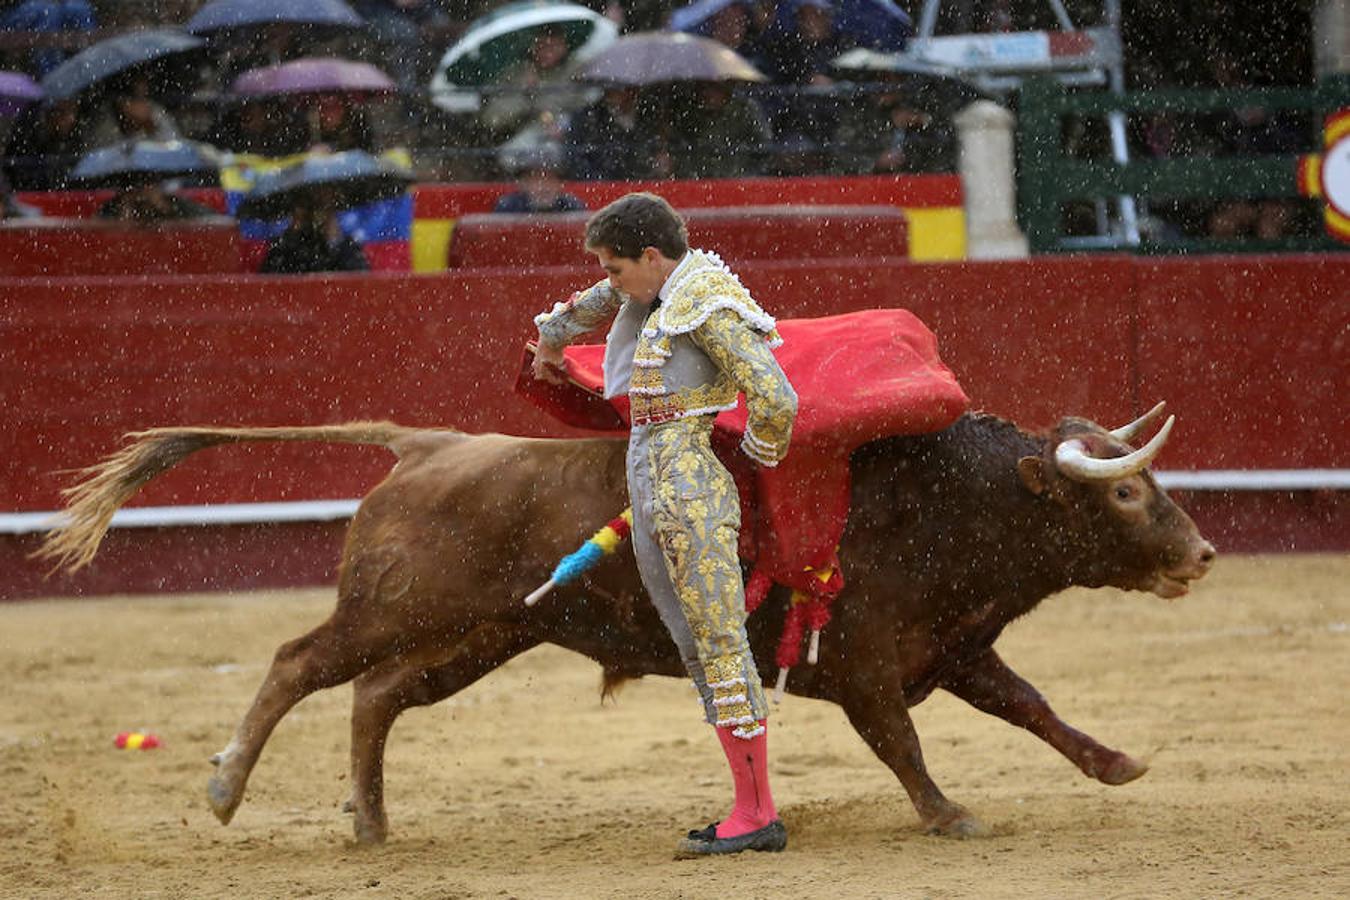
744, 354
580, 314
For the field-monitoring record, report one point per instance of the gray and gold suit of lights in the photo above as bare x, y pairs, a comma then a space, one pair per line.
682, 361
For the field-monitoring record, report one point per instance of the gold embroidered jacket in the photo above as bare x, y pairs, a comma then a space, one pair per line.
705, 305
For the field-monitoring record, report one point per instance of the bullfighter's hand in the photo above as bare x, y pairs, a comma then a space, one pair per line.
549, 363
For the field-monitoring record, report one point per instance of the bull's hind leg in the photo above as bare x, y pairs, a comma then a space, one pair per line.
381, 695
990, 686
331, 654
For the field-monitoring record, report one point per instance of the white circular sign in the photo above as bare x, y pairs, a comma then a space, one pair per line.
1336, 176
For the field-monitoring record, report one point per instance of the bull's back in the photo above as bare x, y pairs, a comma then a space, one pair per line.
464, 512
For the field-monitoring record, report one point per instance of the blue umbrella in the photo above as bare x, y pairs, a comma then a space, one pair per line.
221, 15
134, 163
135, 51
878, 24
696, 17
17, 91
351, 178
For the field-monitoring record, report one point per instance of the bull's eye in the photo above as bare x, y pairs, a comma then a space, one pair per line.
1124, 492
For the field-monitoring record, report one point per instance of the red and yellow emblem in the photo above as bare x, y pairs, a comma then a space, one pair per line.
1327, 175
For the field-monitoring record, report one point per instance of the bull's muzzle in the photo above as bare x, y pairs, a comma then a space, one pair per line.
1176, 581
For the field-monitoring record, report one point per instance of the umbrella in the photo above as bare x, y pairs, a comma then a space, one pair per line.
494, 43
660, 56
355, 178
17, 91
696, 17
313, 75
878, 24
222, 15
118, 56
926, 89
134, 163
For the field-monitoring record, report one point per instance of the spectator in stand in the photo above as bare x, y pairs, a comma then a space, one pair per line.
536, 92
742, 26
401, 27
611, 139
1250, 131
340, 124
151, 204
46, 142
884, 132
276, 42
637, 15
540, 189
50, 17
314, 242
720, 134
134, 115
802, 54
265, 126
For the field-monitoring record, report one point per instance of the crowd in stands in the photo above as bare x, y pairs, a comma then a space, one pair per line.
790, 124
537, 124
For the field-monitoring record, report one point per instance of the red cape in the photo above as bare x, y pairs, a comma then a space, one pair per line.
858, 376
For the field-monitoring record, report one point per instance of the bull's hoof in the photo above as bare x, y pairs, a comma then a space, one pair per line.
349, 805
371, 831
223, 798
959, 824
1122, 770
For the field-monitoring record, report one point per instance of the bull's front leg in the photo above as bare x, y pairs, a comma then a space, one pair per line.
875, 705
990, 686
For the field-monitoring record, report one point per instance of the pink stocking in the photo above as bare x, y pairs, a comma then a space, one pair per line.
749, 761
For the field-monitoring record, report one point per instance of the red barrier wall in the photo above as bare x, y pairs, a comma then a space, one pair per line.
450, 201
740, 234
1261, 346
85, 204
90, 247
1249, 352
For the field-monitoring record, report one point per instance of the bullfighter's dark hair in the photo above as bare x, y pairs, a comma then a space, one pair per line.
635, 222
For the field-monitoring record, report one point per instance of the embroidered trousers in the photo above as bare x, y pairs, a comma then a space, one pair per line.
686, 521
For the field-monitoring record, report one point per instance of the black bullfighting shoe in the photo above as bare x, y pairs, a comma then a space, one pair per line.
772, 838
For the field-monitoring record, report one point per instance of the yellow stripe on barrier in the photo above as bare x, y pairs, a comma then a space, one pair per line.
431, 244
936, 233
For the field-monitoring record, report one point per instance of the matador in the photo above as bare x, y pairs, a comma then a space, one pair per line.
686, 340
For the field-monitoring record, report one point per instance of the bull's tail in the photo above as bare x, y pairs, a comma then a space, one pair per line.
105, 486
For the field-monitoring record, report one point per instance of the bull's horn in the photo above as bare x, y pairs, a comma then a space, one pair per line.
1127, 433
1073, 460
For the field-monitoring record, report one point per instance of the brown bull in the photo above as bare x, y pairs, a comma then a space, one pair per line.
950, 537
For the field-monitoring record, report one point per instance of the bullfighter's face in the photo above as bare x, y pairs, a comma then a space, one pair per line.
639, 279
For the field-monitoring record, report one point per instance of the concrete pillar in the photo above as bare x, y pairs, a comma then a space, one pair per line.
987, 180
1331, 37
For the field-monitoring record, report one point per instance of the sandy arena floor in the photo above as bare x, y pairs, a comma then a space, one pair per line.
525, 786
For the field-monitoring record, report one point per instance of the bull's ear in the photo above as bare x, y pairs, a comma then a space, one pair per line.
1032, 471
